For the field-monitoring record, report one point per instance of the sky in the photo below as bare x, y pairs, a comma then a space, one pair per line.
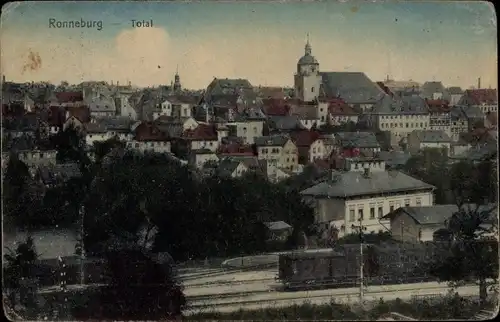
452, 42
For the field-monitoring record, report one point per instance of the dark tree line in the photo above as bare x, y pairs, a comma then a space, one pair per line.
196, 217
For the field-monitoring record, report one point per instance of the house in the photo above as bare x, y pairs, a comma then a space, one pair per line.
230, 167
204, 136
311, 114
354, 143
358, 163
339, 112
149, 138
278, 230
419, 224
329, 142
278, 148
95, 132
309, 146
400, 116
34, 158
439, 115
459, 148
77, 116
479, 152
246, 128
475, 117
459, 123
456, 94
26, 124
234, 149
199, 158
182, 105
124, 102
434, 91
345, 197
394, 160
175, 126
419, 140
484, 99
119, 127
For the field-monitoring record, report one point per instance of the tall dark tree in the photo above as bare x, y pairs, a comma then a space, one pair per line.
139, 287
18, 271
472, 250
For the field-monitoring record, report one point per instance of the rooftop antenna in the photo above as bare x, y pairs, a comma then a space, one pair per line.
388, 65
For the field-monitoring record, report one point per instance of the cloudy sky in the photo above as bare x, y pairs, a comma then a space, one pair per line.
451, 42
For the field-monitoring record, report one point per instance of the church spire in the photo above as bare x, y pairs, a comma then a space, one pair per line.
308, 48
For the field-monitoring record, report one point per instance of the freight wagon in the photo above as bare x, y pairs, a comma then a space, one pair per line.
388, 263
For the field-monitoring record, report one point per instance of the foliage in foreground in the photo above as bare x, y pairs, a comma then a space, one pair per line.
449, 307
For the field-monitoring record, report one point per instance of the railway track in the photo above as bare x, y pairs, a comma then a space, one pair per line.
374, 295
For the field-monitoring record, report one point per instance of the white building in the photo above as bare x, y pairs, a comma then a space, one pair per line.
247, 129
400, 116
419, 140
368, 193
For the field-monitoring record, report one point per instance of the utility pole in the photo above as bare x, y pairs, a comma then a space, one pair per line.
361, 229
80, 249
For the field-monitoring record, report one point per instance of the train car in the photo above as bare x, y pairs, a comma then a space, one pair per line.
309, 268
389, 263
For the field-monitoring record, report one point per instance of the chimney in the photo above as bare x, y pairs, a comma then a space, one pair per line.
479, 83
3, 79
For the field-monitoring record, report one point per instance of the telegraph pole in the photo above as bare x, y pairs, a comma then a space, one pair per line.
361, 229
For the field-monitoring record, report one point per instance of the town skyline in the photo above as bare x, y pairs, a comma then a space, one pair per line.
454, 43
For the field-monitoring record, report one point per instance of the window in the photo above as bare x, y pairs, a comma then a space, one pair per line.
41, 155
255, 129
419, 202
380, 211
391, 207
351, 214
372, 212
406, 124
312, 88
360, 214
407, 202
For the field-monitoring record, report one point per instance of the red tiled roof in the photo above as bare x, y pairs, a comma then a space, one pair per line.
56, 116
438, 105
235, 149
67, 97
340, 107
275, 107
203, 132
304, 138
480, 96
147, 131
82, 113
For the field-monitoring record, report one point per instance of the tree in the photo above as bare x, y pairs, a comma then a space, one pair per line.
18, 273
139, 287
431, 166
471, 254
21, 198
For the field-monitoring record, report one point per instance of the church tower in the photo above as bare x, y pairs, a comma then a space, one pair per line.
177, 81
307, 78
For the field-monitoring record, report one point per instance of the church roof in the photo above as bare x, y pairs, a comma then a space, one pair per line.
353, 87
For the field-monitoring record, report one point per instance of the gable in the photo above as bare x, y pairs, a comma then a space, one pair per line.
289, 144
